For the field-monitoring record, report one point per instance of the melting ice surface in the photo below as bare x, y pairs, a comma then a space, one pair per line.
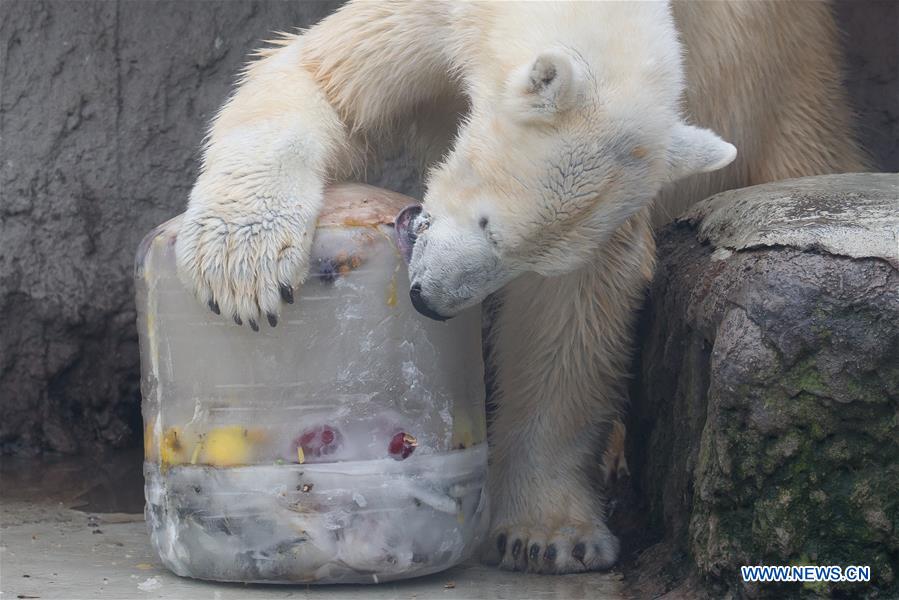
345, 445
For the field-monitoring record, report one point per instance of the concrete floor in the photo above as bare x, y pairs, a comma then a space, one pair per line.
72, 530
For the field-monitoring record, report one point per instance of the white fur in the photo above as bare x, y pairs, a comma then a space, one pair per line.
573, 125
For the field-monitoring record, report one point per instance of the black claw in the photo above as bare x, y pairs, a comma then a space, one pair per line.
272, 319
287, 293
579, 552
214, 307
516, 549
535, 551
254, 325
501, 544
550, 554
238, 320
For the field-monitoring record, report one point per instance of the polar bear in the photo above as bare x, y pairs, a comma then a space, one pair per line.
555, 127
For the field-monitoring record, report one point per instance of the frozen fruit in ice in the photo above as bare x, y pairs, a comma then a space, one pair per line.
174, 448
401, 445
317, 441
228, 446
149, 441
329, 269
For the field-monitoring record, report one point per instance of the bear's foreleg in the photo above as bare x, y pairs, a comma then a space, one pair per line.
303, 114
561, 348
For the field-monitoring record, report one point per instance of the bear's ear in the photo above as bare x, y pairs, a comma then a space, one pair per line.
546, 86
696, 150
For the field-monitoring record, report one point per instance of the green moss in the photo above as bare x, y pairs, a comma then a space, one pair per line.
805, 376
804, 467
817, 431
867, 390
802, 493
820, 588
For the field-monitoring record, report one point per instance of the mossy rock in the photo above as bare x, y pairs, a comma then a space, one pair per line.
768, 399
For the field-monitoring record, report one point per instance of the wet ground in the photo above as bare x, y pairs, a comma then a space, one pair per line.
73, 529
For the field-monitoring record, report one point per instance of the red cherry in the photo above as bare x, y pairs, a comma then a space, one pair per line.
327, 436
401, 445
317, 441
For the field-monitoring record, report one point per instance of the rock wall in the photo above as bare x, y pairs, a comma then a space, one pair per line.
104, 105
872, 74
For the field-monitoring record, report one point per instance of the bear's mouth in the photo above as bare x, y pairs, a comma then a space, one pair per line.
422, 306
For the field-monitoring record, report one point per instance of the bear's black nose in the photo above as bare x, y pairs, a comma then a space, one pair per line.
421, 305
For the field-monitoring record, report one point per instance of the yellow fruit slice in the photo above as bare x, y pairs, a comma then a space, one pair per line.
228, 446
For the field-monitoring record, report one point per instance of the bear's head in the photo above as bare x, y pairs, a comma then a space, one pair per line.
545, 168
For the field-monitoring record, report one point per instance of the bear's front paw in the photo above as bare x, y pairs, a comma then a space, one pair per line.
536, 548
243, 266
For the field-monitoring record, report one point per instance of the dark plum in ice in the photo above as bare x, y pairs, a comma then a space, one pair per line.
402, 445
317, 441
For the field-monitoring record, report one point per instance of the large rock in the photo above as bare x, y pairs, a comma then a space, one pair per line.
766, 416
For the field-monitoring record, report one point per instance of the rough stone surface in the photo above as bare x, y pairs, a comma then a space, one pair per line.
767, 410
855, 215
103, 105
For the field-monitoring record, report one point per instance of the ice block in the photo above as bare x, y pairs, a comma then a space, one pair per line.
347, 444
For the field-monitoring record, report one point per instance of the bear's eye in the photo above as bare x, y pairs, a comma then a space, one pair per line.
483, 223
421, 223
